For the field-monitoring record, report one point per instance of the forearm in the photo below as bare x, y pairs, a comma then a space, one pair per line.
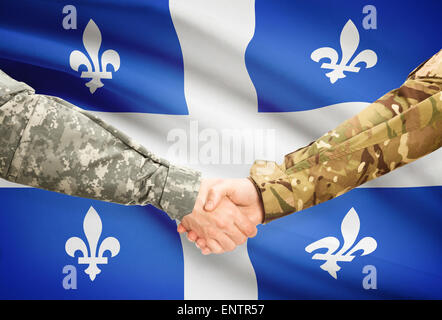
48, 143
397, 129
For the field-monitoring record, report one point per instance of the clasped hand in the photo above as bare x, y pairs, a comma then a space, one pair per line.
225, 214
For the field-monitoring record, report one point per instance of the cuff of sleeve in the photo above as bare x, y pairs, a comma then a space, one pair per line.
180, 192
275, 189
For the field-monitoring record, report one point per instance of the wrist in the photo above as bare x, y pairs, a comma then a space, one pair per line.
180, 192
256, 215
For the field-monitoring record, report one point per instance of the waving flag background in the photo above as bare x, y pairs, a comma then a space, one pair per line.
195, 65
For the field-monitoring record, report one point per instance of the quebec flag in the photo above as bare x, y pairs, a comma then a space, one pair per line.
179, 77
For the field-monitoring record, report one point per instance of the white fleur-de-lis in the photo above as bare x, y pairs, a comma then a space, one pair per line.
95, 71
350, 230
92, 229
349, 43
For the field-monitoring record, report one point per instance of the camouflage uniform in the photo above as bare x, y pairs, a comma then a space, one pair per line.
402, 126
48, 143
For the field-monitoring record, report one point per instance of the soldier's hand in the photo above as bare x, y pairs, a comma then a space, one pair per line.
223, 228
242, 193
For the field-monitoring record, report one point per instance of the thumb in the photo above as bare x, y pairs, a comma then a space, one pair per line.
216, 193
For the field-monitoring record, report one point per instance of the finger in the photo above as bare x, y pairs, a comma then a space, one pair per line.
214, 246
215, 194
235, 234
202, 193
201, 243
205, 251
192, 236
225, 242
181, 228
238, 226
245, 225
185, 223
201, 247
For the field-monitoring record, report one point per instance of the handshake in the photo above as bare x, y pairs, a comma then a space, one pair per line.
225, 214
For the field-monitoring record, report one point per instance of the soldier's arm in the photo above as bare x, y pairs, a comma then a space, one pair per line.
402, 126
48, 143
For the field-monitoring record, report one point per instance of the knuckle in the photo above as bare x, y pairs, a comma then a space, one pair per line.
212, 191
211, 232
230, 215
214, 247
242, 240
221, 223
230, 247
249, 230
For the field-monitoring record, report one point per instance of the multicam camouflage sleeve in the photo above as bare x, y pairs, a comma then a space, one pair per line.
402, 126
48, 143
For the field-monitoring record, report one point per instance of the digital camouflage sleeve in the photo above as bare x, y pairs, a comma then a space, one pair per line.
402, 126
48, 143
